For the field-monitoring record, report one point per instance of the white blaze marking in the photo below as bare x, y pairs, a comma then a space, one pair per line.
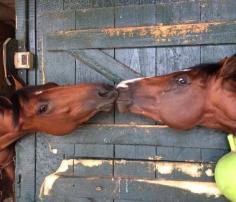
123, 84
38, 92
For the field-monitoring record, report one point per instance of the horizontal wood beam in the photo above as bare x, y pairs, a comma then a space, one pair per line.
104, 64
127, 188
217, 32
144, 135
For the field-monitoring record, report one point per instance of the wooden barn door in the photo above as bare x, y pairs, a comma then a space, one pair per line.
122, 157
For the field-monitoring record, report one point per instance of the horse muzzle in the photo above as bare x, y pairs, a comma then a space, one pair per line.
107, 95
124, 100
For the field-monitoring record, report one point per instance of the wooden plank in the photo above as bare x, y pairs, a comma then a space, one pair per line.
94, 18
145, 135
94, 150
185, 171
51, 158
22, 29
178, 11
32, 41
134, 189
123, 168
25, 169
179, 154
212, 155
126, 2
141, 60
25, 148
218, 9
103, 3
60, 69
99, 61
170, 59
77, 4
52, 5
215, 10
93, 167
135, 152
166, 35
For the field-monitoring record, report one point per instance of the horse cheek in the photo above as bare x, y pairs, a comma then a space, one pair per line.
181, 112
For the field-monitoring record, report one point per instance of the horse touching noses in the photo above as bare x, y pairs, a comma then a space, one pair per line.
203, 95
59, 110
52, 109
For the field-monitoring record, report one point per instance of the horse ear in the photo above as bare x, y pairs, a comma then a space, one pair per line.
5, 102
228, 67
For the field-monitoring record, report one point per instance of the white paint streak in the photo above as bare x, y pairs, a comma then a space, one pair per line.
207, 188
193, 170
126, 186
90, 163
51, 179
209, 172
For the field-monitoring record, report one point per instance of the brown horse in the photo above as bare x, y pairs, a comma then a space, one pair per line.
204, 95
7, 172
48, 108
51, 108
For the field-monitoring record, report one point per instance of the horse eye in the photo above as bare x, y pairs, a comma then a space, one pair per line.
181, 81
43, 108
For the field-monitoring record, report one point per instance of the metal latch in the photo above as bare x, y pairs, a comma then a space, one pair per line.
23, 60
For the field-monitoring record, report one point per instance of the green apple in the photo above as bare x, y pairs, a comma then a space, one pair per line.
225, 172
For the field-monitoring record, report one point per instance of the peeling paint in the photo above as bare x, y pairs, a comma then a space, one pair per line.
207, 188
193, 170
49, 181
126, 186
209, 172
91, 163
161, 33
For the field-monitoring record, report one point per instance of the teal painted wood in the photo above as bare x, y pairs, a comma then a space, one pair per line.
25, 148
105, 65
145, 135
22, 30
56, 67
127, 189
191, 34
95, 18
141, 60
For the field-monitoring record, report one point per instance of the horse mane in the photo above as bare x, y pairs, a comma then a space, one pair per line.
207, 69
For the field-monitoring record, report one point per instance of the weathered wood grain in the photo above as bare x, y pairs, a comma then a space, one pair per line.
104, 64
141, 60
22, 30
135, 152
145, 135
93, 167
94, 18
56, 67
219, 32
94, 150
134, 189
25, 148
170, 12
50, 158
131, 169
25, 169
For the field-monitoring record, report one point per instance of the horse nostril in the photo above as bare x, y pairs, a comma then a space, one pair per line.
107, 91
